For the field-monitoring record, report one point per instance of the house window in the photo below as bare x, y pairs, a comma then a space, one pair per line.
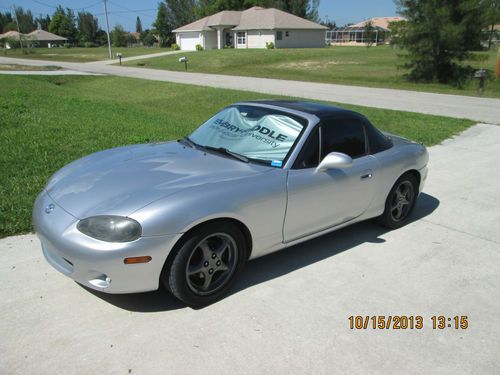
279, 35
286, 34
241, 37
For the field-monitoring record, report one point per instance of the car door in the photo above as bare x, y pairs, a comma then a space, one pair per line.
320, 200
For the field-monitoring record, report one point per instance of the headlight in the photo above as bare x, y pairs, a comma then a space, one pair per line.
110, 228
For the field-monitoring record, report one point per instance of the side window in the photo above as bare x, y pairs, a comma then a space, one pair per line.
309, 156
343, 135
279, 35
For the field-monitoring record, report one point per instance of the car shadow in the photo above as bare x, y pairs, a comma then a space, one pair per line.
279, 263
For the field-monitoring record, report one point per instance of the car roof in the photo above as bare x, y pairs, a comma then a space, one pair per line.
318, 109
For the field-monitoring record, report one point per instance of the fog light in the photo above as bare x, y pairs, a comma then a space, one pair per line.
101, 281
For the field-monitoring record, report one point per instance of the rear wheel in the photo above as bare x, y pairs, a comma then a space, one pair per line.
206, 264
400, 202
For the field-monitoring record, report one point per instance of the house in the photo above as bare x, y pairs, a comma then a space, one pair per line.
251, 28
40, 38
9, 35
356, 34
45, 39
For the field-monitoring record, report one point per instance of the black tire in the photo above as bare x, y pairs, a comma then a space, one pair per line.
400, 202
200, 270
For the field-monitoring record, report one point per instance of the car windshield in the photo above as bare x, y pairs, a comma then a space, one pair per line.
257, 133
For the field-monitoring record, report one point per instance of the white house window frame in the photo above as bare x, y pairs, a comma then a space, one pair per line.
241, 38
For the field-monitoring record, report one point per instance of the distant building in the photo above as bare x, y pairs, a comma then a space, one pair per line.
46, 39
252, 28
37, 38
356, 34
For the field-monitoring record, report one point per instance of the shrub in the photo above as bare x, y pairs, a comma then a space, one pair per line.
149, 39
13, 43
175, 47
89, 44
269, 45
199, 47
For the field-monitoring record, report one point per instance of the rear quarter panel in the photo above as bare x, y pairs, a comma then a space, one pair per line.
394, 162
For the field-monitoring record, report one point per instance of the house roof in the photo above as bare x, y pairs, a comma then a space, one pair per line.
45, 36
382, 22
255, 18
10, 34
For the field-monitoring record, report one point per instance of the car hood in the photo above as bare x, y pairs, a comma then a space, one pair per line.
122, 180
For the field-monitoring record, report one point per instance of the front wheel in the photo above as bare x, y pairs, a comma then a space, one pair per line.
206, 264
400, 202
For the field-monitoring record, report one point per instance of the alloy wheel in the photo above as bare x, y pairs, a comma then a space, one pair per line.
402, 200
211, 264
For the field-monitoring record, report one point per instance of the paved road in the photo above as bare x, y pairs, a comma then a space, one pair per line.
480, 109
289, 314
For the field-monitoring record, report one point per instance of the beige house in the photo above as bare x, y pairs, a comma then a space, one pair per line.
42, 38
353, 35
251, 28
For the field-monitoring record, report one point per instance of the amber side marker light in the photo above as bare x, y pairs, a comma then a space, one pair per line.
135, 260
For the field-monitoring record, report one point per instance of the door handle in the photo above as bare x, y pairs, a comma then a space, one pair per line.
366, 176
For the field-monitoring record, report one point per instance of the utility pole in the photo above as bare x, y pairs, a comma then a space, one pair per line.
17, 23
107, 30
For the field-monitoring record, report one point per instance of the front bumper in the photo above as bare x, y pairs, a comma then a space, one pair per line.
97, 264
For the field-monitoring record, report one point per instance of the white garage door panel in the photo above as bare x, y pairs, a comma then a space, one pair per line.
189, 41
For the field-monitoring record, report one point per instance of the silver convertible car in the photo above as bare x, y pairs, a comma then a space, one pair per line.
255, 178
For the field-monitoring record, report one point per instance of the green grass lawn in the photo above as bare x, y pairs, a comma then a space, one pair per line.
49, 121
371, 67
79, 54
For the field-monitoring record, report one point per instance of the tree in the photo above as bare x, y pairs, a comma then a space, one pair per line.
397, 29
119, 37
42, 22
438, 37
312, 11
87, 27
162, 25
149, 39
25, 20
5, 20
492, 17
63, 23
369, 33
138, 25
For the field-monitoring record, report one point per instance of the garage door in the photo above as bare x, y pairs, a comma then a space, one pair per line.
189, 41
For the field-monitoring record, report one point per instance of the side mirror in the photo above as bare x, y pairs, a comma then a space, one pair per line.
334, 160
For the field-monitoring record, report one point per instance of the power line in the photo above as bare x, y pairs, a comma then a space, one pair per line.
73, 9
126, 11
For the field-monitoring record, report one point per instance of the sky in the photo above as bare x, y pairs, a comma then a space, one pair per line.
124, 12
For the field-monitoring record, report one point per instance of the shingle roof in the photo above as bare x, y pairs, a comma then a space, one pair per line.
10, 34
45, 36
40, 35
255, 18
382, 22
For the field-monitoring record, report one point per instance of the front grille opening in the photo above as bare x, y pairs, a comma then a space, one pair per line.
67, 261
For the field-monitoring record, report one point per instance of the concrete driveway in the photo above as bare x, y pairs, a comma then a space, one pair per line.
474, 108
289, 313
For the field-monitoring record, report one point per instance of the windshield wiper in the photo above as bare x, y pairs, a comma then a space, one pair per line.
189, 142
228, 152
